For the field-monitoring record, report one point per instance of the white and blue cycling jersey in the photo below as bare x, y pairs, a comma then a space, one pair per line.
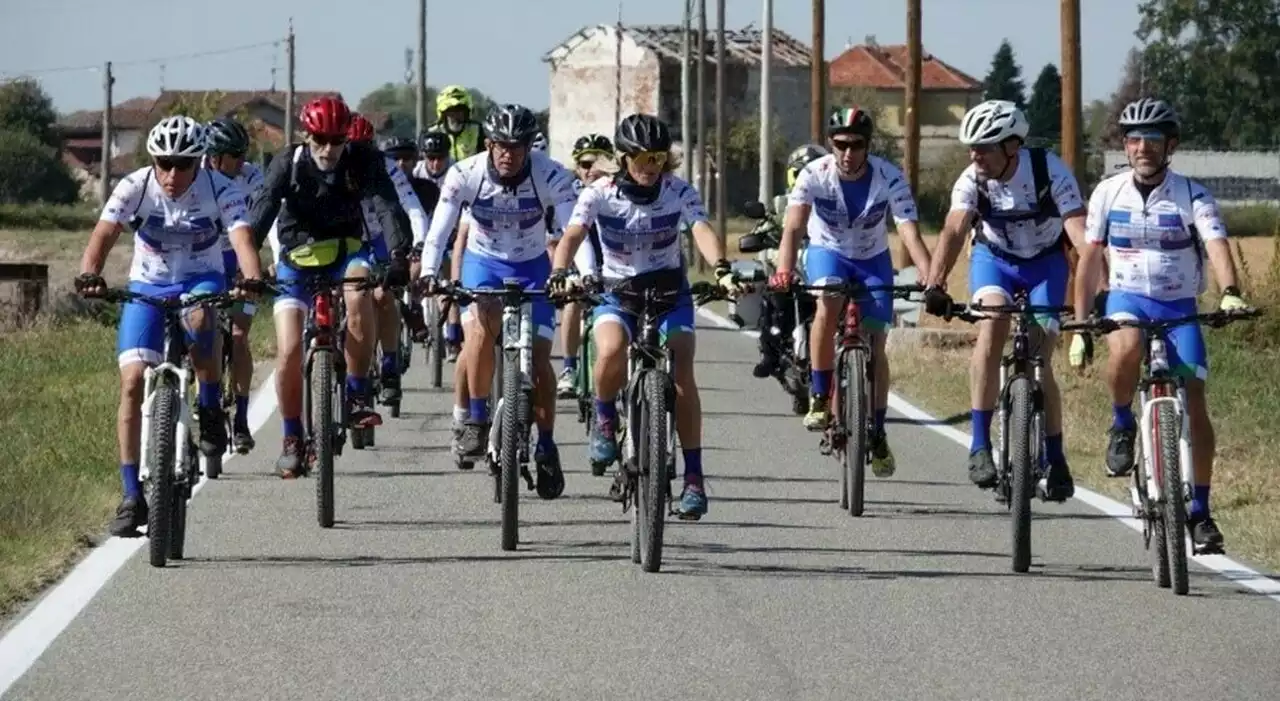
850, 217
419, 219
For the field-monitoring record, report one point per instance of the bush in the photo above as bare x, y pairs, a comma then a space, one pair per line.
1252, 220
30, 171
48, 216
934, 192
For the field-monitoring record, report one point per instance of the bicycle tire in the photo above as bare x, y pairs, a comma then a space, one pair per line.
213, 467
322, 436
178, 528
509, 452
853, 404
161, 445
654, 481
1168, 430
1154, 518
1020, 468
435, 347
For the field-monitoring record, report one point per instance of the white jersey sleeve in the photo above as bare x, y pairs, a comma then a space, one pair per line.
1063, 186
126, 198
408, 200
456, 191
1206, 214
902, 203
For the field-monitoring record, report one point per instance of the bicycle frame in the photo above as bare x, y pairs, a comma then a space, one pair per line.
646, 355
516, 336
324, 331
171, 369
1161, 386
1020, 361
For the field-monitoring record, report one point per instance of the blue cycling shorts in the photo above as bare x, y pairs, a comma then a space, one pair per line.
140, 338
484, 272
1185, 343
1044, 279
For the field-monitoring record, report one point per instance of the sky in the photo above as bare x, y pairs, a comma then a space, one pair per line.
493, 45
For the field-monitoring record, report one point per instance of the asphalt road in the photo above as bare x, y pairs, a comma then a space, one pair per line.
775, 595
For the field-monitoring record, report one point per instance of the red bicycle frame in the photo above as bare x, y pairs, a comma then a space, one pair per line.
850, 336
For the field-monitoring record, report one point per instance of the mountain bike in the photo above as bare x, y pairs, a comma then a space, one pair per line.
848, 433
1020, 459
508, 450
170, 467
584, 380
1163, 478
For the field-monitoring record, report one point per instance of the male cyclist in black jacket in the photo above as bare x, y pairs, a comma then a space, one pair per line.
316, 189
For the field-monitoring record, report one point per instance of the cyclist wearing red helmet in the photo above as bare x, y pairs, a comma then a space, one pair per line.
316, 189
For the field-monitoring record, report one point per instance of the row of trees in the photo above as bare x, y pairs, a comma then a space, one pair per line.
399, 101
30, 168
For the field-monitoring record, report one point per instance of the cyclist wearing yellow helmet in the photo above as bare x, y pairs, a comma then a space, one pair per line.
453, 115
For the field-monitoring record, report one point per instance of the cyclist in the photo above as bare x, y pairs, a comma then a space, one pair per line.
453, 112
592, 158
638, 213
435, 163
508, 190
177, 213
777, 308
1017, 218
226, 145
316, 188
1151, 226
388, 312
405, 154
850, 192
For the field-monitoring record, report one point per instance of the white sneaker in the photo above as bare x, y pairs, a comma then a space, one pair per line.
566, 386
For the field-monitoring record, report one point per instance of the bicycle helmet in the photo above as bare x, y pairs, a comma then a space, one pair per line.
850, 120
539, 142
326, 116
592, 143
1150, 113
511, 124
397, 145
992, 122
452, 96
800, 158
642, 132
176, 137
225, 136
436, 143
361, 129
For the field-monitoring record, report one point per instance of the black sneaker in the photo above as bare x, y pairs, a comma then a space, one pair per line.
290, 464
131, 515
242, 440
1057, 484
390, 389
982, 468
474, 439
362, 414
766, 367
1120, 453
1206, 539
213, 431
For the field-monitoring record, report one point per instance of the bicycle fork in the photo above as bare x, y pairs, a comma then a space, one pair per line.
1154, 472
151, 378
517, 339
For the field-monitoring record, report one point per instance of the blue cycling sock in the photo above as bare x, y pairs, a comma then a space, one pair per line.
210, 396
545, 440
129, 479
571, 363
1199, 502
981, 420
1053, 450
881, 415
357, 386
1122, 416
820, 382
693, 465
479, 409
606, 411
242, 412
390, 365
293, 428
453, 333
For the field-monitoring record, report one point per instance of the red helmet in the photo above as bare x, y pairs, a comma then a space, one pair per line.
361, 129
326, 116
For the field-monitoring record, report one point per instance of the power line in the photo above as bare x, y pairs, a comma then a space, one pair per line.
149, 61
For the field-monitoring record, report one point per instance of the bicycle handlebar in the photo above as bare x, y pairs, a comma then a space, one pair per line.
1214, 319
863, 291
122, 295
309, 284
976, 312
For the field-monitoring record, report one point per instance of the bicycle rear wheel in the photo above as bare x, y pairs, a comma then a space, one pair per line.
322, 433
1019, 460
163, 452
853, 407
435, 341
513, 406
654, 480
1169, 470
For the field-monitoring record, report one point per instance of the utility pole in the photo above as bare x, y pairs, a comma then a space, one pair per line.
702, 101
686, 97
766, 104
914, 58
818, 74
617, 62
1072, 152
721, 195
104, 187
420, 109
290, 108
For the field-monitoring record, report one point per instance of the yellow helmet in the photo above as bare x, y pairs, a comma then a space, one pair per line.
452, 96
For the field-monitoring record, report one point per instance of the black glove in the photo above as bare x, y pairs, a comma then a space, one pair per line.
89, 284
592, 284
558, 282
937, 302
397, 274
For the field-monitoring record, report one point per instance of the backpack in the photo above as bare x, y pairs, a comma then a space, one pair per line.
1045, 203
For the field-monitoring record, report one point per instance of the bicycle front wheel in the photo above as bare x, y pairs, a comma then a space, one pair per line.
163, 452
654, 480
435, 341
1169, 470
322, 433
1019, 460
853, 409
514, 404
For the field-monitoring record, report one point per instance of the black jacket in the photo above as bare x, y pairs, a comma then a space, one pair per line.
317, 206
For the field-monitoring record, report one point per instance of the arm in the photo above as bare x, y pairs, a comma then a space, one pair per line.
104, 237
583, 215
796, 221
585, 259
704, 236
905, 218
964, 209
124, 200
235, 219
266, 207
386, 203
409, 201
459, 250
443, 219
1092, 249
1213, 233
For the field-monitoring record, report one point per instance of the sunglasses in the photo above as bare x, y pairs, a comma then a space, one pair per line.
846, 144
1145, 135
322, 140
644, 159
167, 164
586, 164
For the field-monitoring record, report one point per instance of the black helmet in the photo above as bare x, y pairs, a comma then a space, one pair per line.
398, 144
226, 137
850, 120
593, 143
435, 143
511, 124
804, 155
642, 132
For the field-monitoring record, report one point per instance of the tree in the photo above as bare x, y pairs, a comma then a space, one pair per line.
30, 171
25, 107
400, 102
1130, 89
204, 108
1044, 111
1004, 80
1219, 65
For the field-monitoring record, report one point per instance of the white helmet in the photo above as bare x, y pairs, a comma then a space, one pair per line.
1149, 112
992, 122
176, 137
539, 142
